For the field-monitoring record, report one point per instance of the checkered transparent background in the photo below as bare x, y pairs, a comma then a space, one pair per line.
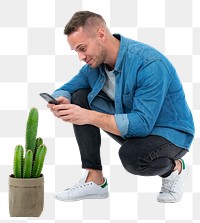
35, 57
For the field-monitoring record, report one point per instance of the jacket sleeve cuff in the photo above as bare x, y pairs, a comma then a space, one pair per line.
63, 93
122, 123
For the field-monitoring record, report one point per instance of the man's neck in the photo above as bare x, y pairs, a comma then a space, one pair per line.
112, 52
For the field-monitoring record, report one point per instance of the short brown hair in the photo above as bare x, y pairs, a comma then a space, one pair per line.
83, 19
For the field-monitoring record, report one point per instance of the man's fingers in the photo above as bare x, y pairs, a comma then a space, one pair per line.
63, 100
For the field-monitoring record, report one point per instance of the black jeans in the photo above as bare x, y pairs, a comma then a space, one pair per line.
145, 156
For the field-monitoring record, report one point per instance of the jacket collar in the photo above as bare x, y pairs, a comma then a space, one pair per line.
121, 54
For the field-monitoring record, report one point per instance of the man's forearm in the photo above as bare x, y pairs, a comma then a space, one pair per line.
80, 116
103, 121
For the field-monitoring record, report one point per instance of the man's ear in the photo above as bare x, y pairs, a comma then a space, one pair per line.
101, 34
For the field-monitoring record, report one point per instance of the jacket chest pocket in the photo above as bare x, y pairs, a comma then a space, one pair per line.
127, 101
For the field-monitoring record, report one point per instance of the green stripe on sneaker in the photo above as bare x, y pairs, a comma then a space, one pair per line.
104, 184
183, 164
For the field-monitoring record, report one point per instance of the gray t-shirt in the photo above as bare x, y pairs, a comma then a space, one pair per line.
109, 87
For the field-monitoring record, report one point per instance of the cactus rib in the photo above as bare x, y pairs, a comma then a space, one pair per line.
18, 161
28, 161
38, 143
31, 129
39, 161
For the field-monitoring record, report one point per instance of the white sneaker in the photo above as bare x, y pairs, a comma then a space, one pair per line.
173, 185
84, 190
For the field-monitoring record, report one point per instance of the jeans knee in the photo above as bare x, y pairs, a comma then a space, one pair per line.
80, 98
129, 161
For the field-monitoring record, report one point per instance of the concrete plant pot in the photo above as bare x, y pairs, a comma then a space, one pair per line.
26, 196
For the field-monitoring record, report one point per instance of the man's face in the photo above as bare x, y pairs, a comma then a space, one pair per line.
89, 47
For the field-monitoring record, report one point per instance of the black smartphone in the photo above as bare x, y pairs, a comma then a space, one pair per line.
49, 98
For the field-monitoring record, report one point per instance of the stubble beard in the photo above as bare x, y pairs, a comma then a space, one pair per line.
100, 58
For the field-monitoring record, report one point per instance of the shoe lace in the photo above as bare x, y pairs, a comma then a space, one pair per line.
168, 185
79, 185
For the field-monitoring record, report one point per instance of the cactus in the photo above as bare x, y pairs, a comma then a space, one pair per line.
39, 160
39, 142
18, 161
31, 165
28, 161
31, 129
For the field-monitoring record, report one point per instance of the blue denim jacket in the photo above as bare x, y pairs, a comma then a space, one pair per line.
149, 98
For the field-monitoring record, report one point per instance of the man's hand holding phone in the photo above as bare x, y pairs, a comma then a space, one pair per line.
52, 102
63, 109
61, 100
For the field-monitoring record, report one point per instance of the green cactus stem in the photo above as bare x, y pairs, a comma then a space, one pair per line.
31, 165
28, 161
39, 161
38, 143
31, 129
18, 161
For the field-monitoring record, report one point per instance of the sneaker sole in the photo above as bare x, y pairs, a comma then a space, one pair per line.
92, 196
170, 202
